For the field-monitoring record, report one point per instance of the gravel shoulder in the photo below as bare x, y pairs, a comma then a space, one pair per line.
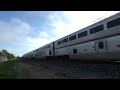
33, 72
49, 69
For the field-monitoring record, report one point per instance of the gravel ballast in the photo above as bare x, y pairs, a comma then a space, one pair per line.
71, 69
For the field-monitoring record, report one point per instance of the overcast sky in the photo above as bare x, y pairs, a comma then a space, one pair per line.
24, 31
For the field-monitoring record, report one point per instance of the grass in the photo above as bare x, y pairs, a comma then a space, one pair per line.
11, 70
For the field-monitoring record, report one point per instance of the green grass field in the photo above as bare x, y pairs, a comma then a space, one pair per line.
11, 70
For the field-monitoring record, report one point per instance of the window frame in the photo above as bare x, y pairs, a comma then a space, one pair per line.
97, 29
113, 23
72, 38
50, 52
65, 40
74, 51
59, 42
101, 45
82, 34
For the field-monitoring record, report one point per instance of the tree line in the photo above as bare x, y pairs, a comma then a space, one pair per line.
5, 52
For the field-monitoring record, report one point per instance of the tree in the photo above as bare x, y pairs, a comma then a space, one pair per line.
4, 51
0, 53
18, 57
11, 56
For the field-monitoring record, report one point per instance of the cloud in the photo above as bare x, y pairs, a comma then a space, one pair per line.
19, 37
37, 42
13, 34
43, 34
20, 25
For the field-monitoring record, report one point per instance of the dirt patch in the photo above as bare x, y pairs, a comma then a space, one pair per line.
37, 72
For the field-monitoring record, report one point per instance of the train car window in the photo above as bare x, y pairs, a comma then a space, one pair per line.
101, 45
37, 50
72, 38
82, 34
96, 29
113, 23
49, 46
74, 51
65, 40
50, 52
59, 42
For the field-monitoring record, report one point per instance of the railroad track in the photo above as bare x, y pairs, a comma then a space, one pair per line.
80, 69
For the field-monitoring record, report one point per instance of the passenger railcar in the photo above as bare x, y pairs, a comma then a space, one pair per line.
95, 42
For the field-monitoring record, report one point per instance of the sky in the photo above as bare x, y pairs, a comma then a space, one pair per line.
24, 31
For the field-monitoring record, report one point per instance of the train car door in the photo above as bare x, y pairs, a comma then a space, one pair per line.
101, 48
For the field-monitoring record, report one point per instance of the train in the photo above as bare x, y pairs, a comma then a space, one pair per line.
99, 41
